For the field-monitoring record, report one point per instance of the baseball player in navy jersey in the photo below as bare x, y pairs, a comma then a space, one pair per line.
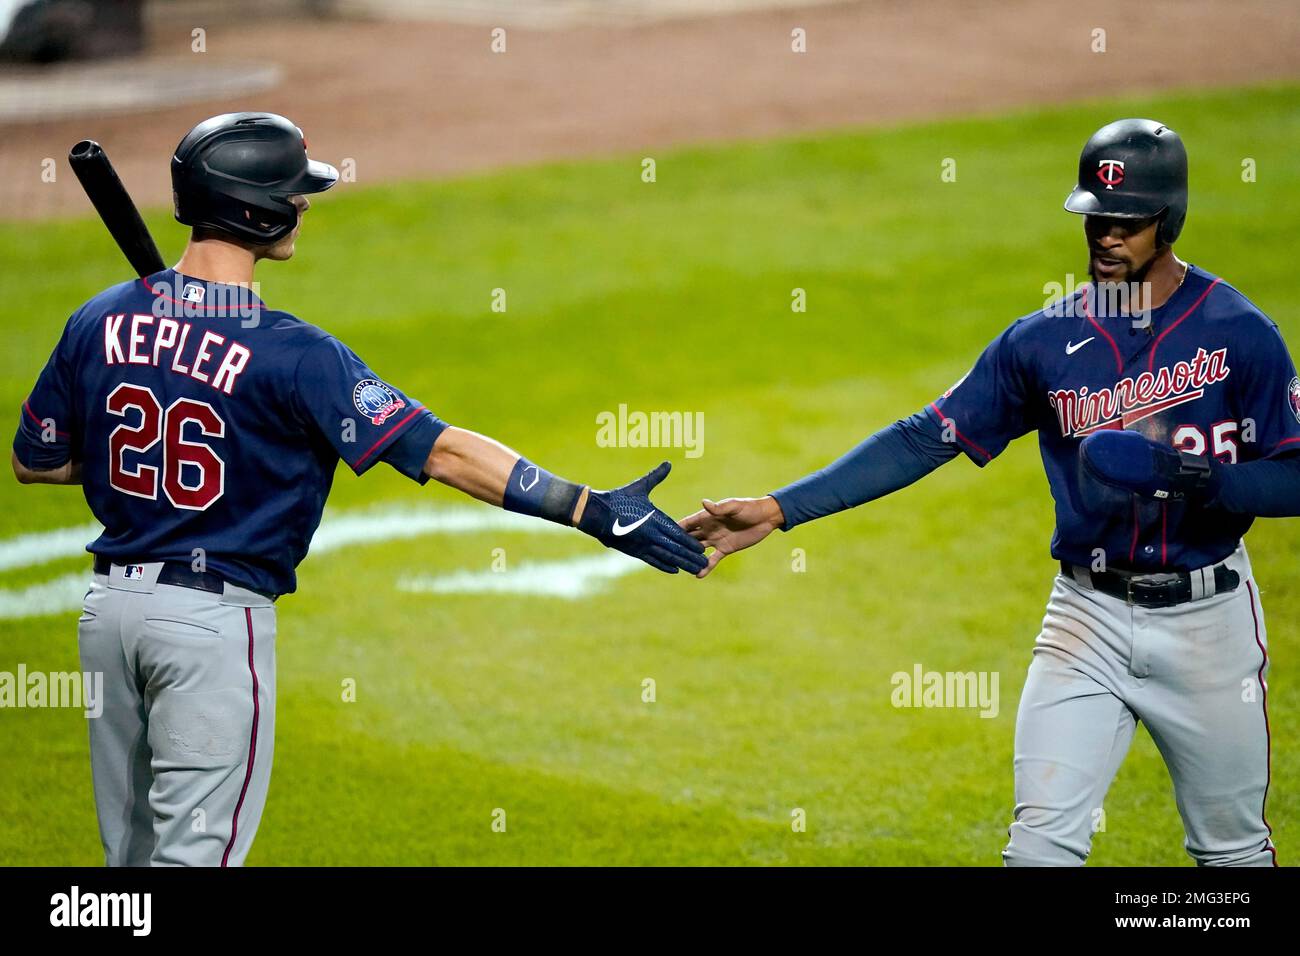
1168, 417
204, 427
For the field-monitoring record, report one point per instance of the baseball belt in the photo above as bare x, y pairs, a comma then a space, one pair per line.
178, 574
1165, 589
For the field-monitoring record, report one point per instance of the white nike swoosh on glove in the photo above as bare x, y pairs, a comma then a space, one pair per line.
620, 530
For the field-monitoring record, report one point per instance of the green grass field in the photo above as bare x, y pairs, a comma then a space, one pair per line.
773, 687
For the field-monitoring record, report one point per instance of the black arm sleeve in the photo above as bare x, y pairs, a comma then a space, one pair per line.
891, 459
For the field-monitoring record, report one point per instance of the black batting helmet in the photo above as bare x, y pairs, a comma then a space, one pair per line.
1133, 169
236, 172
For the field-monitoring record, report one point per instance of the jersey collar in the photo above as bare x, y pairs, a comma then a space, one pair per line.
174, 291
1193, 285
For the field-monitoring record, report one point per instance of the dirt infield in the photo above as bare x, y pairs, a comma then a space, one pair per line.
425, 99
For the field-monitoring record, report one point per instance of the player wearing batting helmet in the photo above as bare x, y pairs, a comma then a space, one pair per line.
1167, 410
205, 427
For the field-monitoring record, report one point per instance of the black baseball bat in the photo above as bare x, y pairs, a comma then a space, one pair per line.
113, 203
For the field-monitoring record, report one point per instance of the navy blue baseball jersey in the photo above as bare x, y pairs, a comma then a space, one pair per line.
1210, 374
208, 424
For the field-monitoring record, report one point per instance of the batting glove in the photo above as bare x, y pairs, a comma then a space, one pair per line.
624, 519
1130, 460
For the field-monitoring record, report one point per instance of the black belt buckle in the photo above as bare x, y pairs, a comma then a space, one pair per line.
1129, 597
1149, 593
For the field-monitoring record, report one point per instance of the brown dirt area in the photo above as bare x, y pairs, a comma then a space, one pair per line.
418, 100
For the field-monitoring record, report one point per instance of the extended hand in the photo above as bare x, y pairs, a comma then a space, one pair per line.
731, 525
624, 519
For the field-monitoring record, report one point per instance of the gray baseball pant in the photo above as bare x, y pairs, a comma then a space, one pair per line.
1194, 674
181, 755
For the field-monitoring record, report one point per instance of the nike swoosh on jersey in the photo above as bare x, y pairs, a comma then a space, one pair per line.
1071, 348
620, 529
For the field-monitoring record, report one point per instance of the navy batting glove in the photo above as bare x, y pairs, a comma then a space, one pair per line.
624, 519
1131, 461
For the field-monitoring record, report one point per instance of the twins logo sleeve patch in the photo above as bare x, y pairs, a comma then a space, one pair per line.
352, 407
376, 401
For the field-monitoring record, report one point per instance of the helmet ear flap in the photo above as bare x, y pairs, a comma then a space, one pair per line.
1171, 224
1162, 230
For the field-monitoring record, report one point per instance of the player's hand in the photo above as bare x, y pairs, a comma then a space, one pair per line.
1133, 462
731, 525
624, 519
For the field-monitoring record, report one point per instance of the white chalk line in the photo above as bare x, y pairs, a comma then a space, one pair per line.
364, 526
571, 578
42, 547
51, 597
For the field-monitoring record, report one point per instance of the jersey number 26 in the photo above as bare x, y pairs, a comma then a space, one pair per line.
177, 453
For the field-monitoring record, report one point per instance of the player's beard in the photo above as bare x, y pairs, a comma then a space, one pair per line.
1129, 280
1140, 273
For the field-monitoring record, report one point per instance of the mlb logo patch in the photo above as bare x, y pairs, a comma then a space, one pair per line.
193, 292
133, 572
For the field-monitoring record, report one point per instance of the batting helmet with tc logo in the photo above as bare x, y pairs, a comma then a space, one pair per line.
1134, 169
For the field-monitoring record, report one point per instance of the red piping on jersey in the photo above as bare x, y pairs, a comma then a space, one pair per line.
1119, 360
414, 412
944, 418
1268, 736
1285, 441
252, 742
58, 434
1132, 548
1199, 299
199, 305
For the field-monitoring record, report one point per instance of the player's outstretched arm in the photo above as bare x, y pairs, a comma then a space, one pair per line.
622, 518
891, 459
